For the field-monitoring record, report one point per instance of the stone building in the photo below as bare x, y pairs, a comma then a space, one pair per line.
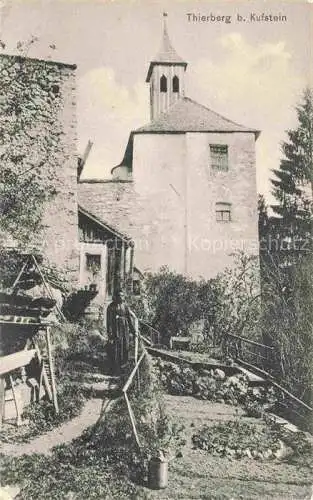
38, 125
38, 129
186, 188
184, 194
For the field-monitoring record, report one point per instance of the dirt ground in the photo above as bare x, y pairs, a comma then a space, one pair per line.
198, 475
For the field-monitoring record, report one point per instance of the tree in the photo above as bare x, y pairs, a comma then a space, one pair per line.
293, 185
287, 317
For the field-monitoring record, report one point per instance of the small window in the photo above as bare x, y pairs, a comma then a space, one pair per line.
223, 212
163, 83
55, 89
175, 84
219, 157
93, 262
136, 287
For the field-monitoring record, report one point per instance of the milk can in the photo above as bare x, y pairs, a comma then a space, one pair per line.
157, 473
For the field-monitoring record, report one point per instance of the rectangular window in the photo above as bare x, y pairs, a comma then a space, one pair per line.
93, 262
223, 212
219, 157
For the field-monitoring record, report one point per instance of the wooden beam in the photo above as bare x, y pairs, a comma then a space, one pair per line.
17, 360
51, 368
2, 399
44, 373
18, 413
20, 274
132, 419
131, 376
46, 284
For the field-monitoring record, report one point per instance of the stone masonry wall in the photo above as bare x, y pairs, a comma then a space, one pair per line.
46, 142
169, 208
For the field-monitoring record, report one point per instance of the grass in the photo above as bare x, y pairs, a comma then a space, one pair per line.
199, 475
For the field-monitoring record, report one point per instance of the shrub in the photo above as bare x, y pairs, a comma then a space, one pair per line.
288, 325
203, 384
237, 439
229, 303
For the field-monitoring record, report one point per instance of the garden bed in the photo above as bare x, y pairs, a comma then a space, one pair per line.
188, 379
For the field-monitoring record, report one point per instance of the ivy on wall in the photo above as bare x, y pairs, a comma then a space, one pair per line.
30, 138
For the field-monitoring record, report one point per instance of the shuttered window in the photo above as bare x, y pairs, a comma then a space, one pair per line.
219, 157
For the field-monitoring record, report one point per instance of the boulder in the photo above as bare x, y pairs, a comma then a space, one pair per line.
219, 374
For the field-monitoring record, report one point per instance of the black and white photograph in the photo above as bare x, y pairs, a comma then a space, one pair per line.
156, 238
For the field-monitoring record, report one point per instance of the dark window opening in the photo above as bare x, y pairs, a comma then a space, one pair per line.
223, 212
163, 83
219, 157
93, 262
55, 89
175, 84
136, 287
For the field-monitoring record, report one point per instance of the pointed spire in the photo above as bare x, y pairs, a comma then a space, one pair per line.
167, 54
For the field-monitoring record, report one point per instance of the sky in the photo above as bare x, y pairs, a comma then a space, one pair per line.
251, 72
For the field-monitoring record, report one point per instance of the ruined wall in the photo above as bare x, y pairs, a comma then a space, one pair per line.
38, 124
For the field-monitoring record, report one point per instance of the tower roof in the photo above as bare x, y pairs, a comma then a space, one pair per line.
167, 55
187, 115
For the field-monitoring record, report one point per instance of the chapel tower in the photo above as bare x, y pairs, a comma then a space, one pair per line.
166, 76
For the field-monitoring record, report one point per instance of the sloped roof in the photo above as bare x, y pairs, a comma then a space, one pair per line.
166, 55
184, 116
187, 115
104, 225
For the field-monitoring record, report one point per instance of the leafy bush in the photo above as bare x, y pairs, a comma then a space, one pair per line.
288, 325
229, 303
84, 477
203, 384
77, 347
238, 439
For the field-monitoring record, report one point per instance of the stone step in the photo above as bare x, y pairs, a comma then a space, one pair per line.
108, 384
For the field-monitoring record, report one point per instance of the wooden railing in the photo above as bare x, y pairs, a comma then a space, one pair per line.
249, 351
148, 333
261, 359
258, 358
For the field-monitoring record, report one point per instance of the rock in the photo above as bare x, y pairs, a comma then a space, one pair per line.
219, 374
248, 453
268, 454
9, 492
283, 451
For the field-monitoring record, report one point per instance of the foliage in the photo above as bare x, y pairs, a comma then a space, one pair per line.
287, 236
160, 435
203, 384
288, 325
30, 103
74, 477
237, 439
238, 299
78, 347
229, 303
172, 302
214, 385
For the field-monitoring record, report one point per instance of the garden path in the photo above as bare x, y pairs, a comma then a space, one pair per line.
68, 431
